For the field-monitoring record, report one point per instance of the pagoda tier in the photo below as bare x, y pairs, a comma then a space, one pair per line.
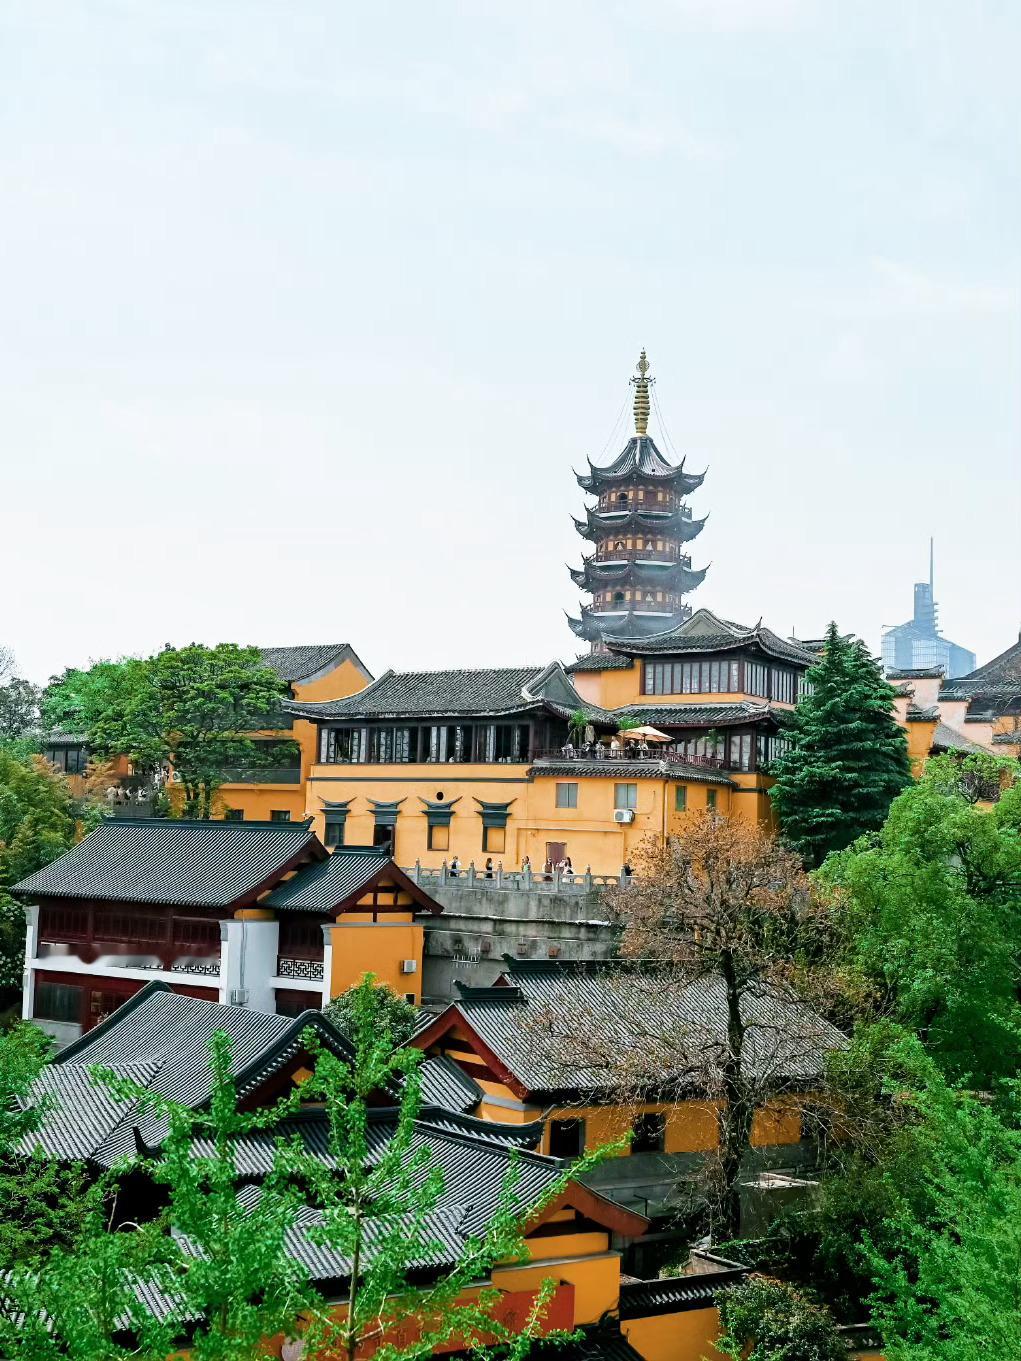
639, 575
676, 576
640, 461
595, 623
679, 524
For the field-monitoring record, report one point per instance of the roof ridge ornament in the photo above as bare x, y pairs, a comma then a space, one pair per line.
641, 383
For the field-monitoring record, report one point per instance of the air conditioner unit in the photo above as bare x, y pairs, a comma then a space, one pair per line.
623, 815
409, 966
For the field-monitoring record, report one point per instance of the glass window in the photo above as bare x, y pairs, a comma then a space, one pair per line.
334, 835
234, 815
567, 796
680, 798
566, 1138
649, 1133
279, 815
710, 798
58, 1002
625, 796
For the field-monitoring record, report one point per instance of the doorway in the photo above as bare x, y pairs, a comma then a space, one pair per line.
555, 852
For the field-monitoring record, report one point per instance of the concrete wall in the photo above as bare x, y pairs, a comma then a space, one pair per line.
477, 927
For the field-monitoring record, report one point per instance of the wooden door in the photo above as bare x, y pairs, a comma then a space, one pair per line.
555, 852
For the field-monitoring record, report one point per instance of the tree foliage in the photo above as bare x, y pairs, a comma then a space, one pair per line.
216, 1273
770, 1321
39, 820
847, 759
931, 921
946, 1267
722, 905
192, 708
394, 1015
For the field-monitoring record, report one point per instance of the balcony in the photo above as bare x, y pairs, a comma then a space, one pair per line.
599, 752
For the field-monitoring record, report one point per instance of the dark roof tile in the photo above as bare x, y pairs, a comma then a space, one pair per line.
625, 1001
629, 770
161, 860
303, 660
493, 691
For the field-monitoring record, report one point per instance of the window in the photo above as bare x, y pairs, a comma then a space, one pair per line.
680, 798
494, 838
439, 837
340, 744
625, 796
234, 815
567, 796
279, 815
756, 679
691, 678
740, 755
710, 798
58, 1002
784, 685
334, 834
566, 1138
649, 1133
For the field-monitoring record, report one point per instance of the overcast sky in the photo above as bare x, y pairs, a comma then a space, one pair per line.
308, 309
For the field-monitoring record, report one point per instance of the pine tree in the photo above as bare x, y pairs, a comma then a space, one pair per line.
848, 758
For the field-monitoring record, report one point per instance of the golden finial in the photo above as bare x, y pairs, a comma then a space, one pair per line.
641, 383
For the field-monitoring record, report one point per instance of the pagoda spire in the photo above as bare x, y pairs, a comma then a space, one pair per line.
641, 383
640, 572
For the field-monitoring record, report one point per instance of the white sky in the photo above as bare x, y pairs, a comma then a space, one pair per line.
308, 309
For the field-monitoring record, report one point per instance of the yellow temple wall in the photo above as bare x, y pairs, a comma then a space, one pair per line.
361, 946
591, 836
687, 1336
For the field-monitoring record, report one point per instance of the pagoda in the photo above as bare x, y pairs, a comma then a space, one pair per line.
639, 573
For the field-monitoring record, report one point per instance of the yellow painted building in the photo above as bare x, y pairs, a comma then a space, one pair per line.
319, 671
518, 1044
496, 765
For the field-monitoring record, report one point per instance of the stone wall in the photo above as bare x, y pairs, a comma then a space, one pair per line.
478, 926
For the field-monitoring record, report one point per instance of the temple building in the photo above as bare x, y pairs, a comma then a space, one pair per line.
639, 572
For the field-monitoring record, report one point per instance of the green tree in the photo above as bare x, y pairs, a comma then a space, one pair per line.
192, 708
46, 1203
847, 759
39, 820
946, 1270
393, 1013
770, 1321
216, 1273
931, 924
19, 708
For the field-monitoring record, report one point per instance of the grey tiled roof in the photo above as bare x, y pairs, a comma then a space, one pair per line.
674, 1294
600, 661
950, 740
493, 691
630, 770
999, 679
160, 860
640, 457
625, 1002
324, 886
704, 715
916, 673
446, 1084
306, 659
604, 1342
708, 632
1007, 739
162, 1039
917, 715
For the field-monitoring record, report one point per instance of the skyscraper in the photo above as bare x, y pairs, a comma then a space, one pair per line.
918, 644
